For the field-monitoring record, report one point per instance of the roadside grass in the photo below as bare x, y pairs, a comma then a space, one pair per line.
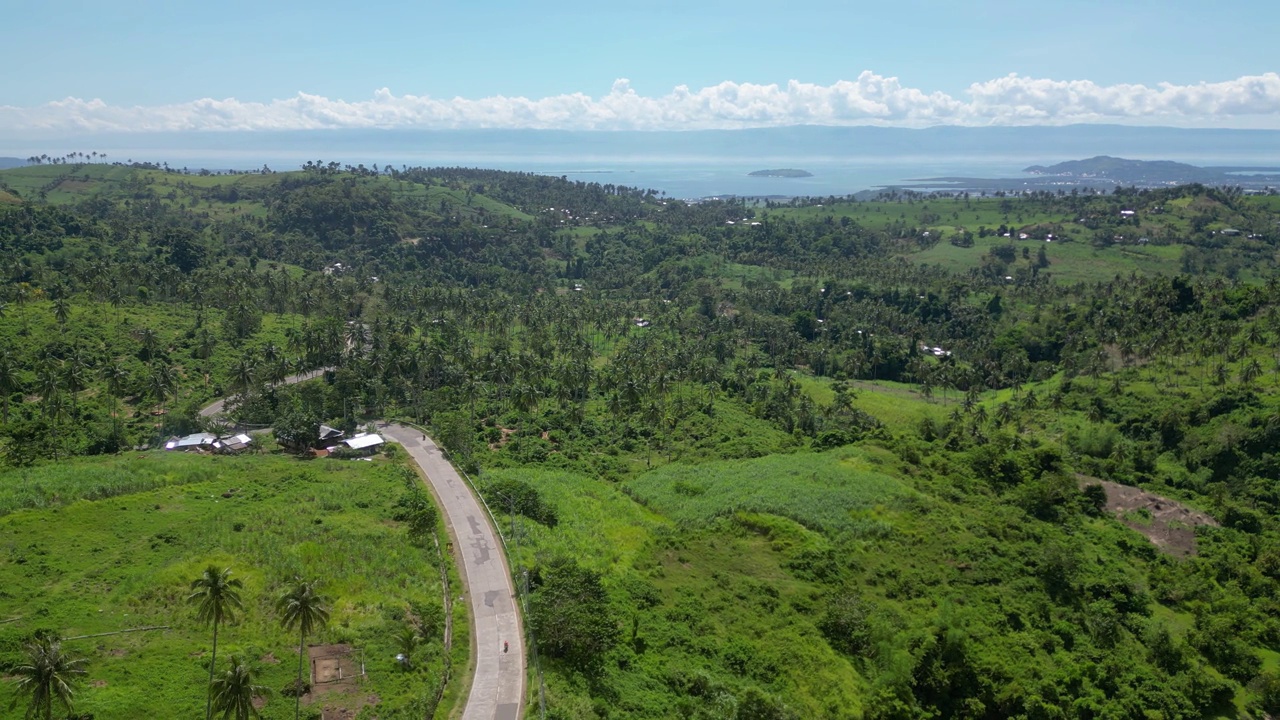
714, 605
83, 567
599, 525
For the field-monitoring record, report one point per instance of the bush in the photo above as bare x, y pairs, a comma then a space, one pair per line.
521, 497
570, 616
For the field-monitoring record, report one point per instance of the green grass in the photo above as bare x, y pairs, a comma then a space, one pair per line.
898, 405
822, 491
1068, 261
718, 606
599, 524
82, 567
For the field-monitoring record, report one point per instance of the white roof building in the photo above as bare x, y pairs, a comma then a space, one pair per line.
363, 440
191, 442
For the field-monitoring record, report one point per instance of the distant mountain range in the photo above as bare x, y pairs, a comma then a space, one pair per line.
1155, 171
11, 162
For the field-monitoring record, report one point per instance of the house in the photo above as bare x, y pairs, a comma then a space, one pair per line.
328, 435
195, 442
364, 442
233, 443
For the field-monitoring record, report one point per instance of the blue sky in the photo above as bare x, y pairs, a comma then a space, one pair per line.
139, 55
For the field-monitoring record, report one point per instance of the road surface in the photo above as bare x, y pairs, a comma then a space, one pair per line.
497, 685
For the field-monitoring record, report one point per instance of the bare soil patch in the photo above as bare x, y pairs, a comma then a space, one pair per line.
1169, 524
335, 682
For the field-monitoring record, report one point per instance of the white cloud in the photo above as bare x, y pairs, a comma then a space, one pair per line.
869, 99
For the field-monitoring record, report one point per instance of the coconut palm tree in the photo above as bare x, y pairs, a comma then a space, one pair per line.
8, 379
217, 598
303, 608
234, 691
47, 676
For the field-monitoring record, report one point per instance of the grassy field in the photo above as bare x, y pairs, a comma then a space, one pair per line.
1068, 262
713, 615
125, 558
821, 491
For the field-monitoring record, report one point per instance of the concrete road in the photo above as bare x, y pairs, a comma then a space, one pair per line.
497, 688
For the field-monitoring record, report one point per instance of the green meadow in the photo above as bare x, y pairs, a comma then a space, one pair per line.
95, 546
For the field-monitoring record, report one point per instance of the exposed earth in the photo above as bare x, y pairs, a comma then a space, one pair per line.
1169, 524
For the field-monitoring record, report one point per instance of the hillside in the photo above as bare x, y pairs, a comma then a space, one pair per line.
1150, 172
815, 458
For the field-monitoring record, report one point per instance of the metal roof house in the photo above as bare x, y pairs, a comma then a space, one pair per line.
329, 433
363, 441
193, 442
233, 444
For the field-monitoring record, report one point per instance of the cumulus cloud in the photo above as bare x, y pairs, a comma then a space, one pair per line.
868, 99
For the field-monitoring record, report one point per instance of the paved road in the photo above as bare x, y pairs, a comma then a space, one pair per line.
216, 408
497, 686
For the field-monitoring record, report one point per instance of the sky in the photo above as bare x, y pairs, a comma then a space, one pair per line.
85, 66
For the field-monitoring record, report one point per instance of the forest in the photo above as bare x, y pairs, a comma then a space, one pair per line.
945, 456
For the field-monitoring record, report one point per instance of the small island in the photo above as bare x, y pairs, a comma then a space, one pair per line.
782, 172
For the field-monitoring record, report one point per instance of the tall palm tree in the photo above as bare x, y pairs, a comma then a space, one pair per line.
234, 691
8, 379
217, 598
303, 608
47, 676
244, 374
115, 376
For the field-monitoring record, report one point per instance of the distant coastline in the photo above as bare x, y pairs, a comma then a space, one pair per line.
782, 173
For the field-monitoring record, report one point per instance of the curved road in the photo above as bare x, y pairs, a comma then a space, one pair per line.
497, 684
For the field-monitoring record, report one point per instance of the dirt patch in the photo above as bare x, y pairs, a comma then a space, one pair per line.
336, 679
99, 683
506, 435
1169, 524
269, 659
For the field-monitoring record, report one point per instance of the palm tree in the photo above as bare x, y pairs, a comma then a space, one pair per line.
61, 310
46, 677
234, 691
243, 374
217, 598
115, 376
8, 379
302, 607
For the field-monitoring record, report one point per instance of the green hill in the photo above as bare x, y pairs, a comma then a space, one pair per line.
820, 458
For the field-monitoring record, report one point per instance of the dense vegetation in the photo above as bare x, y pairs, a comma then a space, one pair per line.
822, 458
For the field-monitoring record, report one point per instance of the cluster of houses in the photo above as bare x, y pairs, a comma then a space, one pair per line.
330, 441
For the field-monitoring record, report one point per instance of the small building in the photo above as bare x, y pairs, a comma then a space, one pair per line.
196, 442
233, 443
329, 434
363, 442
